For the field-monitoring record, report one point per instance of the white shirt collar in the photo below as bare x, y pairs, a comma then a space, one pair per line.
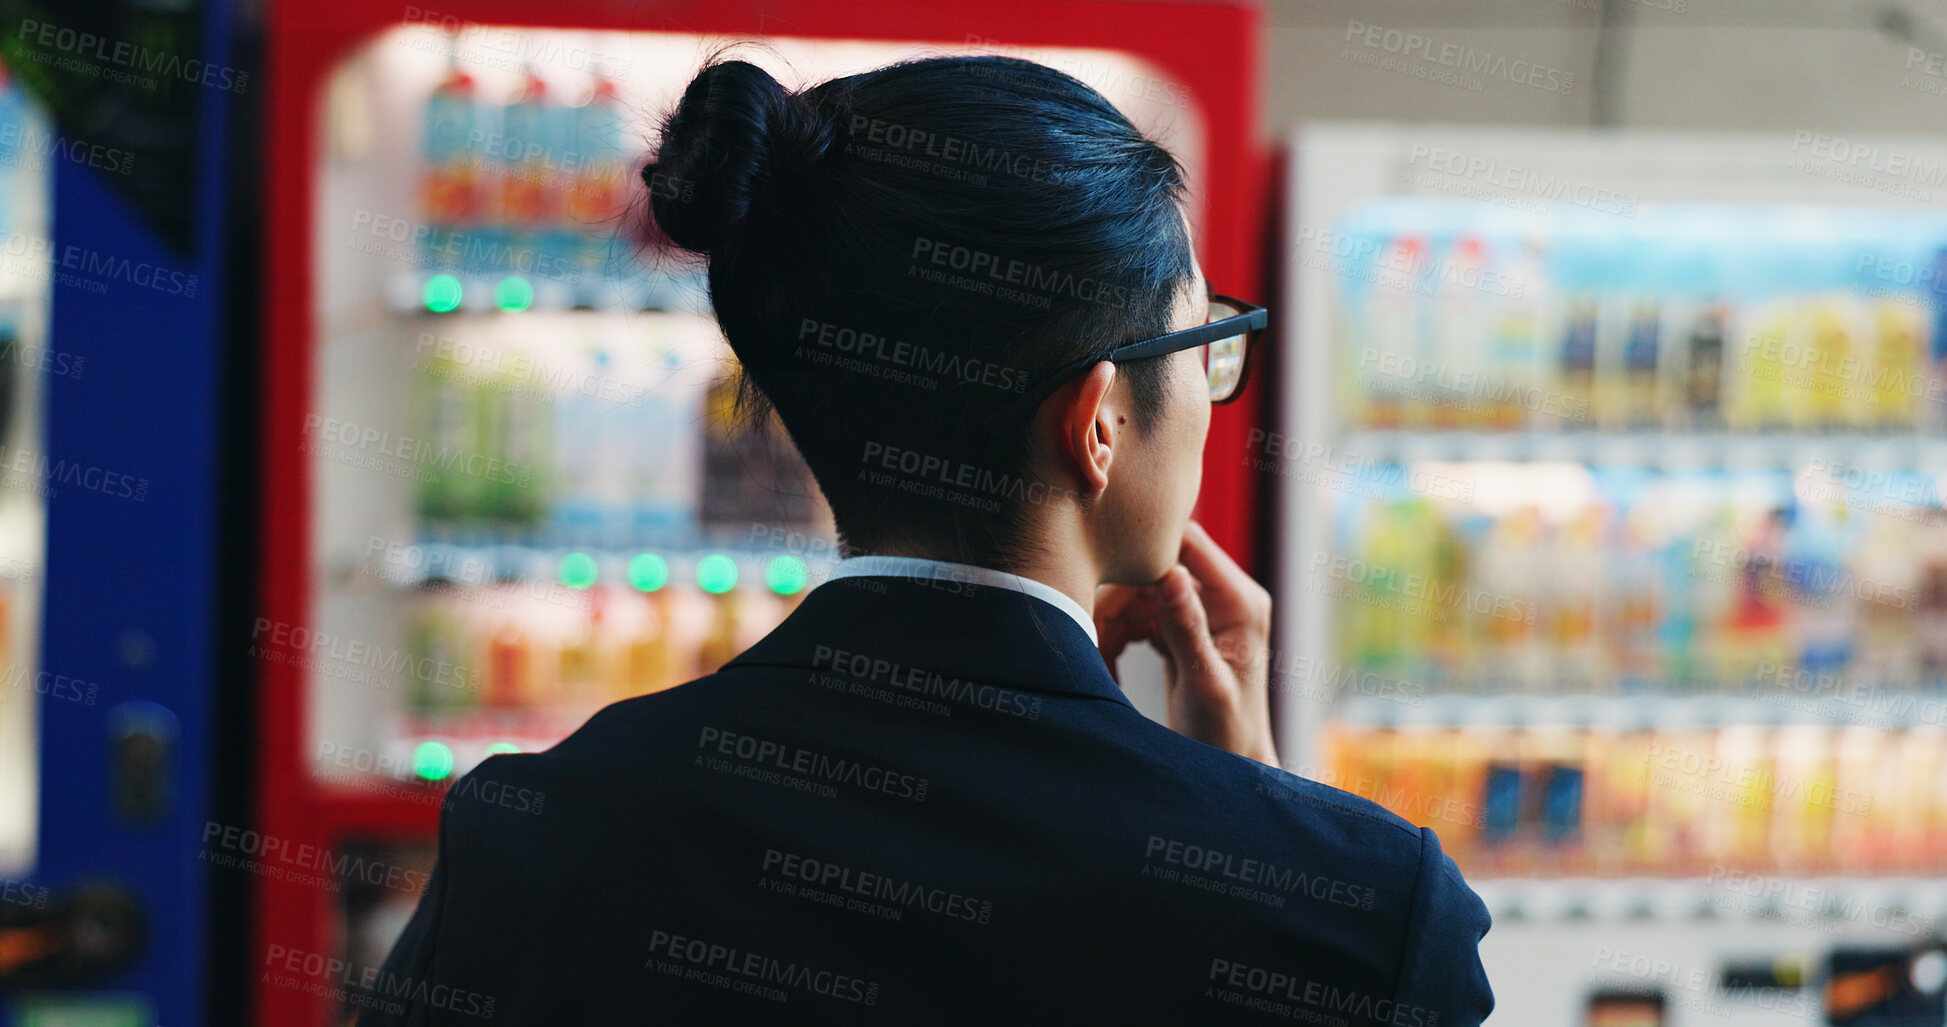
944, 570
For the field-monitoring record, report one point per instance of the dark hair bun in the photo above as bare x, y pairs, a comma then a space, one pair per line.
737, 139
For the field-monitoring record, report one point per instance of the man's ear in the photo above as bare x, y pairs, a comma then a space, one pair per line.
1088, 415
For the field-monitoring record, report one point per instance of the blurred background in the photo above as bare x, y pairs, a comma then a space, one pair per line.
349, 435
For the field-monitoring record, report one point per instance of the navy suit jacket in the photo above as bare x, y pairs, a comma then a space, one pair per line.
922, 802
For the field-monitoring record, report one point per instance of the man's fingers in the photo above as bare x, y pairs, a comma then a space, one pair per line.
1110, 599
1231, 595
1124, 604
1123, 614
1182, 627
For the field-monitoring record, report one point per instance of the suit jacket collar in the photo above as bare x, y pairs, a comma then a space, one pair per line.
957, 629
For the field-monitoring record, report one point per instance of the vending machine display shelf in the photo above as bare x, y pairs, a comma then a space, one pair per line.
444, 294
1910, 905
430, 752
1818, 699
576, 568
1733, 450
445, 749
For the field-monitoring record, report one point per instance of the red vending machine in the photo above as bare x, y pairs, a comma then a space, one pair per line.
503, 484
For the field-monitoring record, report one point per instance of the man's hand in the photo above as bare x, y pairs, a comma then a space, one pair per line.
1212, 625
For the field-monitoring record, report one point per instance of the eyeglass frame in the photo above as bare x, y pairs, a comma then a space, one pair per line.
1248, 321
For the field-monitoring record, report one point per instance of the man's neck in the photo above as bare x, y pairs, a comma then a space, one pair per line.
1065, 567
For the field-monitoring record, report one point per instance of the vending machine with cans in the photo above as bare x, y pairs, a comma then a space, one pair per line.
1614, 551
508, 482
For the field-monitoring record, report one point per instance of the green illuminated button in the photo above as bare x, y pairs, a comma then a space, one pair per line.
577, 570
648, 572
786, 575
513, 293
442, 293
432, 761
716, 573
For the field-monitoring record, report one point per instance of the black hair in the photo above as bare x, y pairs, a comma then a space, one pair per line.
895, 255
